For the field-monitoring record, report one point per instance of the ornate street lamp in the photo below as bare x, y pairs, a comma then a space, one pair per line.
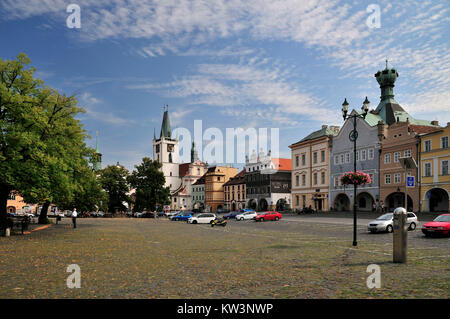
353, 136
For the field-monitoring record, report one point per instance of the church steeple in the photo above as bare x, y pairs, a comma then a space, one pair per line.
97, 160
166, 131
194, 154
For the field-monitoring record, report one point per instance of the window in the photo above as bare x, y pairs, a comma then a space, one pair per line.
297, 200
336, 182
303, 180
322, 156
336, 160
387, 178
322, 178
427, 146
347, 157
427, 169
357, 155
371, 153
387, 158
444, 167
315, 157
363, 155
371, 177
303, 159
396, 157
444, 142
407, 153
315, 178
342, 158
397, 178
304, 200
296, 161
297, 178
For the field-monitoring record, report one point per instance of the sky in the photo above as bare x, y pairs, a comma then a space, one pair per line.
285, 65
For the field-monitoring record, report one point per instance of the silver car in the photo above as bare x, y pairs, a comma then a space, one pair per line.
385, 223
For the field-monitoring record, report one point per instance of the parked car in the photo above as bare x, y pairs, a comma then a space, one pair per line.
100, 214
246, 216
181, 216
205, 218
172, 213
231, 215
160, 214
385, 223
138, 214
439, 226
222, 211
148, 215
268, 216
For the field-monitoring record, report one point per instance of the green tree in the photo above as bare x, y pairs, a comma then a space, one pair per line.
42, 149
149, 182
113, 179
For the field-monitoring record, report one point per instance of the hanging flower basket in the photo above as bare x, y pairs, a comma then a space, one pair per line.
355, 178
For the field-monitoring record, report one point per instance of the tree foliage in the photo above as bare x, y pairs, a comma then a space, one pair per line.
113, 180
42, 148
148, 181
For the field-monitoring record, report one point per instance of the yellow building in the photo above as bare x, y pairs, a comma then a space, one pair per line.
434, 171
215, 177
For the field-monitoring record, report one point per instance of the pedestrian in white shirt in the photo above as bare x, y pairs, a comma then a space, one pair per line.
74, 218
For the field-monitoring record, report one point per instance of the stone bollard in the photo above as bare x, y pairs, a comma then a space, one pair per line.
7, 232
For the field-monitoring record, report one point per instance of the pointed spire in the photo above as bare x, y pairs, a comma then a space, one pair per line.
166, 131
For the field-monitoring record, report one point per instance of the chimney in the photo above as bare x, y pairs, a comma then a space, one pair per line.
434, 122
382, 130
324, 127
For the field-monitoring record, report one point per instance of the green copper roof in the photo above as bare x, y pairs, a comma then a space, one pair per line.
371, 119
166, 130
325, 131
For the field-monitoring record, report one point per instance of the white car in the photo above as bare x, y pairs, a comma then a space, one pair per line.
205, 218
386, 223
246, 215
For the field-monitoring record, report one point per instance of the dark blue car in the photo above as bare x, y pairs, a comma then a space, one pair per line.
182, 216
231, 215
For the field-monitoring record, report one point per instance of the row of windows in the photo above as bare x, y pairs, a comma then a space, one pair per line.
397, 155
315, 179
428, 171
228, 197
198, 197
397, 178
314, 158
256, 168
258, 190
428, 147
198, 189
256, 177
361, 155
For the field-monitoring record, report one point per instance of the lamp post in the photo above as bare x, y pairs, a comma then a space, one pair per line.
353, 136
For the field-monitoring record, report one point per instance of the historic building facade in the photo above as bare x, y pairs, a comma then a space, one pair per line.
234, 192
198, 194
268, 182
434, 170
215, 178
399, 140
388, 114
310, 174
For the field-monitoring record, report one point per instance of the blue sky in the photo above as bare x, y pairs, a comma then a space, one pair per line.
256, 63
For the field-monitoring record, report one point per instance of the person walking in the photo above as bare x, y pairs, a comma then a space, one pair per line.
74, 218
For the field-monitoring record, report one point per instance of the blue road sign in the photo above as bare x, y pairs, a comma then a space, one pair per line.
410, 181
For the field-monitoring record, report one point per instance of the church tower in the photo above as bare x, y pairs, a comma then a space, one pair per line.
165, 151
97, 159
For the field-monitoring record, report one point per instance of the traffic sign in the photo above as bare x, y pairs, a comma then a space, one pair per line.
410, 181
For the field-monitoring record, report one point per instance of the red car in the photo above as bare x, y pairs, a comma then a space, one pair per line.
440, 225
268, 216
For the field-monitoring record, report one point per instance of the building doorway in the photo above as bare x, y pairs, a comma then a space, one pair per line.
263, 205
438, 198
365, 202
397, 199
342, 203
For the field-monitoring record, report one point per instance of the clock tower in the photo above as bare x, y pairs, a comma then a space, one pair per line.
165, 151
